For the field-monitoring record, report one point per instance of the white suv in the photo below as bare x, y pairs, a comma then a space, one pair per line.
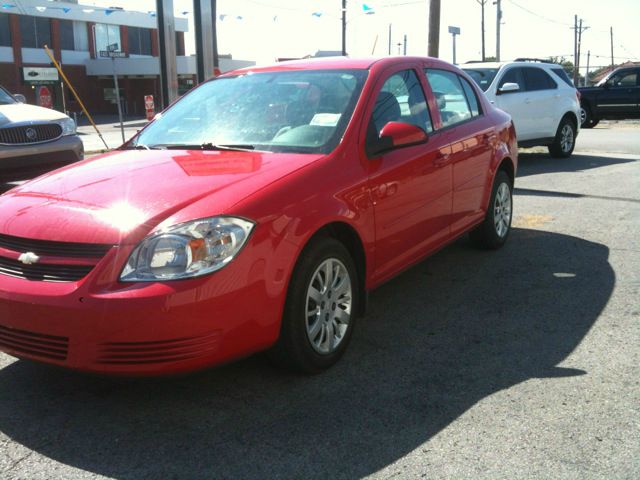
542, 101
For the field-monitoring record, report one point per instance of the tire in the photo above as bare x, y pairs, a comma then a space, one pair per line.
313, 342
565, 140
586, 117
493, 232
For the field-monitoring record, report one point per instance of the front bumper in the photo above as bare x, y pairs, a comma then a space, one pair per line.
41, 156
139, 329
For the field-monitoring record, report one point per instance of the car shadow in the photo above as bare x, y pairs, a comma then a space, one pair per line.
441, 337
539, 163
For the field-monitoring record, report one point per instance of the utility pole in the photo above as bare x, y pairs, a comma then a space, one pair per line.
405, 45
580, 30
575, 50
482, 2
389, 52
611, 31
498, 22
344, 28
586, 75
434, 28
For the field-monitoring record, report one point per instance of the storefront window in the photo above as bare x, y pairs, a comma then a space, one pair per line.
5, 35
139, 41
66, 35
35, 31
107, 35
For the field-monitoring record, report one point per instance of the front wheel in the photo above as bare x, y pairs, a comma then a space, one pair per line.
565, 140
493, 232
320, 310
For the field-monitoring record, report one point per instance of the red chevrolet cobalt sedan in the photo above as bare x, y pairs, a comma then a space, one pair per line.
253, 214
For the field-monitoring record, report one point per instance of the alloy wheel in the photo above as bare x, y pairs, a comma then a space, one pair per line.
502, 210
328, 306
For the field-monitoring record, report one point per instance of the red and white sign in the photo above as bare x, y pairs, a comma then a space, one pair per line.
44, 97
149, 107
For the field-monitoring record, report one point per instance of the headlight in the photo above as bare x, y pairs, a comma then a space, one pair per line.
68, 126
187, 250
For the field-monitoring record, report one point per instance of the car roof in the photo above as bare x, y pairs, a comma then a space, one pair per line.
500, 64
336, 63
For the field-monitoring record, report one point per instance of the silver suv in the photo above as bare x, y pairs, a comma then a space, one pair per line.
34, 139
539, 96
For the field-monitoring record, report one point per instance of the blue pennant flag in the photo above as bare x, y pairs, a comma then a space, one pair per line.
367, 10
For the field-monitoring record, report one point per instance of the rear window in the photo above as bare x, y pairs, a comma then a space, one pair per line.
563, 75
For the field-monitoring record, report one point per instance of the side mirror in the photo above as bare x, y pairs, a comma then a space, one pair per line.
508, 87
397, 134
19, 97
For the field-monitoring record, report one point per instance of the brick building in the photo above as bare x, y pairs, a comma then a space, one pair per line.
76, 34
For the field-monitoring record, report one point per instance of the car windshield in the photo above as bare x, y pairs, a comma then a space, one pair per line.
5, 97
482, 76
290, 111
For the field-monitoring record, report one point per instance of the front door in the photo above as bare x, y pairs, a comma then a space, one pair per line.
410, 186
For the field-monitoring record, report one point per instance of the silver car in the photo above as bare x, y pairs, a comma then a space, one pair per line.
34, 139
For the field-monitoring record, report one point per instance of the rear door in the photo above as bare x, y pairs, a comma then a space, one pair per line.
542, 102
470, 137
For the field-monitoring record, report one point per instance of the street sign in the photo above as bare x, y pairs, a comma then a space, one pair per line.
112, 47
454, 30
111, 54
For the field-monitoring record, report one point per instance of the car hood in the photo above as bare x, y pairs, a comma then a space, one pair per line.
119, 197
21, 112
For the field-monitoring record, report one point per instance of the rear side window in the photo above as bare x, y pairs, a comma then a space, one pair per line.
538, 79
513, 75
563, 75
450, 96
472, 99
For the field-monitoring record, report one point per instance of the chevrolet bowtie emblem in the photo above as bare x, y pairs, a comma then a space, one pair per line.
28, 258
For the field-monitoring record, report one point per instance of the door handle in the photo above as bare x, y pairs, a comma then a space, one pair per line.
441, 160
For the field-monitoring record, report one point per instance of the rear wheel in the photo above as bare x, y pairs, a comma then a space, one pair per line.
565, 139
321, 308
586, 117
493, 232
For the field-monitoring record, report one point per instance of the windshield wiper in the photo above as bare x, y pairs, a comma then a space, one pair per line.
204, 146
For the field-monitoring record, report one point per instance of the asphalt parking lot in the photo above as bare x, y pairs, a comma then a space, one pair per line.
519, 363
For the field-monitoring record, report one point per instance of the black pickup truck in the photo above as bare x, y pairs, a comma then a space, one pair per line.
617, 96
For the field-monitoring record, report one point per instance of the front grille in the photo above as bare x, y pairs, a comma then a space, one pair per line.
43, 271
163, 351
26, 134
54, 249
33, 344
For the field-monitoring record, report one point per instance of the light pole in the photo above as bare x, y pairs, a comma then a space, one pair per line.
454, 31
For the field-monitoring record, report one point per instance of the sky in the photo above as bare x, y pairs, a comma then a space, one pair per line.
261, 30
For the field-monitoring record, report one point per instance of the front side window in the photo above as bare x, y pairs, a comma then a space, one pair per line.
538, 79
6, 98
299, 111
401, 99
513, 75
450, 97
628, 79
